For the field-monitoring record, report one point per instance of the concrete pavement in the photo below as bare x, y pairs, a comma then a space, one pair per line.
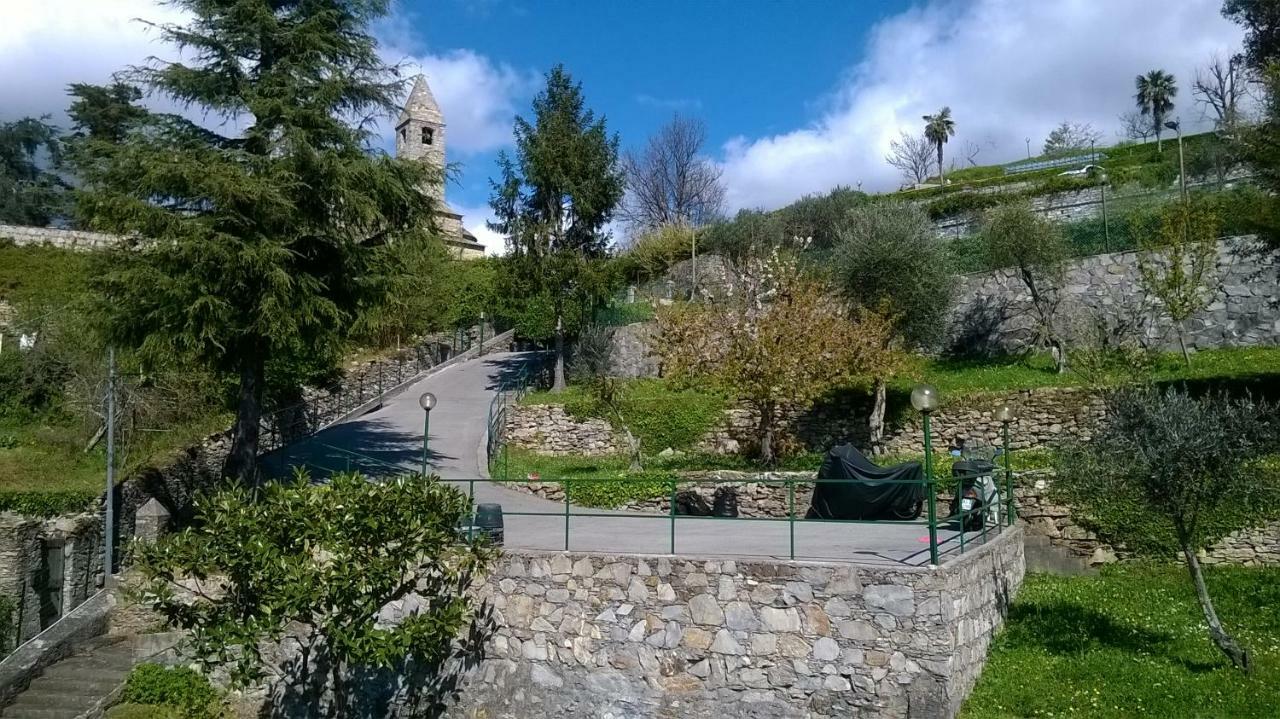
389, 441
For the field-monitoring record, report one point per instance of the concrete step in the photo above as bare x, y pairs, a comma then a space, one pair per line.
76, 684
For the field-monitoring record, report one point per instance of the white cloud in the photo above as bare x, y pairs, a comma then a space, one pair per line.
477, 96
1009, 70
474, 218
47, 44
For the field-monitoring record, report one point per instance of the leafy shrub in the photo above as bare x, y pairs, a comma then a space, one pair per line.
964, 202
46, 504
31, 381
624, 313
659, 415
182, 688
612, 492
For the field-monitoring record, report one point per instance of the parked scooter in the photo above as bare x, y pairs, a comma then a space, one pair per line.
976, 494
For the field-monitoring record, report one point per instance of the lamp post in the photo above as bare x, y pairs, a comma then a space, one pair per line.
480, 351
427, 402
1004, 415
925, 400
1176, 125
1106, 226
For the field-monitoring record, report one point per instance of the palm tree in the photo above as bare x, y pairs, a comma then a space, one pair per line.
937, 128
1156, 91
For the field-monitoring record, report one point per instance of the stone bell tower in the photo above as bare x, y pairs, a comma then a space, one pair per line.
420, 135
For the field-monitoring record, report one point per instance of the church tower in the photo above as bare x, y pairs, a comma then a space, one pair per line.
420, 135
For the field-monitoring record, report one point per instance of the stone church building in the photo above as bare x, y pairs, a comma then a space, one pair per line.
420, 136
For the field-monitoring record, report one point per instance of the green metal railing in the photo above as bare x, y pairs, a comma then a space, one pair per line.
992, 517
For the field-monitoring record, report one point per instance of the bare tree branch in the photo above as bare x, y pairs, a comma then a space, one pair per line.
913, 156
669, 182
1134, 126
1220, 89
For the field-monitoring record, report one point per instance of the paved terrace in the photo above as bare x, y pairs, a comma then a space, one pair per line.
392, 436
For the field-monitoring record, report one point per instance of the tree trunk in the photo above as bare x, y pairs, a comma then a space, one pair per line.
337, 677
1159, 143
1182, 342
1238, 656
242, 460
875, 423
942, 176
765, 433
558, 382
1059, 355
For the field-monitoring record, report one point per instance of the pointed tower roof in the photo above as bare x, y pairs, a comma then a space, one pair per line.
421, 104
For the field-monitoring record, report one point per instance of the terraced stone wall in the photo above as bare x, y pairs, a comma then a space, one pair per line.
635, 636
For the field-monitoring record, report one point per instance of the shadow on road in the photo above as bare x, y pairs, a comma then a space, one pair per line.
376, 449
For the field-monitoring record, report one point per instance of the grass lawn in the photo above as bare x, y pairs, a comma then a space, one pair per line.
964, 377
1131, 642
44, 469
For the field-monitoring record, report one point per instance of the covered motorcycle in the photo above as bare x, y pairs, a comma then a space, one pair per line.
871, 492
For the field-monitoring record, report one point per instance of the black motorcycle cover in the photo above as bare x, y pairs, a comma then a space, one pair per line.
875, 491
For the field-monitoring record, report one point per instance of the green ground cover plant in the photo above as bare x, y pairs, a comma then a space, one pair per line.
658, 414
159, 691
1130, 642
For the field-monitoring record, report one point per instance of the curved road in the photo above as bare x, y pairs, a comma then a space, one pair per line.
388, 440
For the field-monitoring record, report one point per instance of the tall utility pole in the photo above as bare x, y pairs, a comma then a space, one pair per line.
108, 560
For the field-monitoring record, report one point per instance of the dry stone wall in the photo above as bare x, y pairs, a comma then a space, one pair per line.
65, 239
1044, 417
992, 311
633, 636
32, 551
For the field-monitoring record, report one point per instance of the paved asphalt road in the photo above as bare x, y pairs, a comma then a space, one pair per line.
389, 439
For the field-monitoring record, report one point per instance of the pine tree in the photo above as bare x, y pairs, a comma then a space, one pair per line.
255, 234
31, 192
552, 202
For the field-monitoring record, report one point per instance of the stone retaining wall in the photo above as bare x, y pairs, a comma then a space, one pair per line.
992, 311
548, 429
1044, 417
630, 636
30, 550
65, 239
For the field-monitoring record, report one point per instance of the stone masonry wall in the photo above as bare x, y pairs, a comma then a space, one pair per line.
631, 636
1044, 417
65, 239
992, 310
39, 596
548, 429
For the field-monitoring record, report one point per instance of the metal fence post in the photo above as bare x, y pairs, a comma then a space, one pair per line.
671, 509
791, 513
1011, 511
964, 516
565, 484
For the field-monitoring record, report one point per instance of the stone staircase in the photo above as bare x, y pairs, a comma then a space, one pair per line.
80, 685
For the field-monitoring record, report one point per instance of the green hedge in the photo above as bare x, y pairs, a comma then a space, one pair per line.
47, 504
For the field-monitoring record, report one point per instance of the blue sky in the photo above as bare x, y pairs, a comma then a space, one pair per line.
746, 69
798, 96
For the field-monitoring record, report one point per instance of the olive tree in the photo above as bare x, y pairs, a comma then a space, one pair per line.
889, 260
1035, 250
1185, 462
321, 564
